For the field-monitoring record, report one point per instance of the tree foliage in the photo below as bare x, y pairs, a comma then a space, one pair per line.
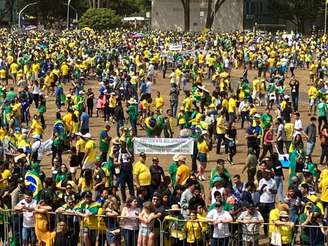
297, 11
100, 18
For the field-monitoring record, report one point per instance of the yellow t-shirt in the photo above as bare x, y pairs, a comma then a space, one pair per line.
220, 127
13, 68
274, 215
90, 146
312, 92
142, 173
323, 185
289, 128
36, 128
4, 176
187, 103
232, 103
64, 69
68, 121
194, 231
159, 102
202, 147
80, 145
83, 185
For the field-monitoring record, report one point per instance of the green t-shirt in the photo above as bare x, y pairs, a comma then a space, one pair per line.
322, 108
173, 171
104, 141
226, 206
11, 96
133, 112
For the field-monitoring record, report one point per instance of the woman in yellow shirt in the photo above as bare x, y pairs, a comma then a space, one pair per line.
159, 101
194, 230
36, 126
203, 149
86, 181
41, 225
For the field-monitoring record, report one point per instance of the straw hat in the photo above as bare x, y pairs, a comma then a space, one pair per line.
116, 140
176, 157
175, 207
182, 158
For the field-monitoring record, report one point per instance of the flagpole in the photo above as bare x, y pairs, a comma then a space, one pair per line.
326, 6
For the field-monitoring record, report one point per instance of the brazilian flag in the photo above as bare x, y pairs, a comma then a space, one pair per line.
33, 183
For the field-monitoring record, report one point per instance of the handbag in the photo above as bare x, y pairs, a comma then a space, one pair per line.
276, 239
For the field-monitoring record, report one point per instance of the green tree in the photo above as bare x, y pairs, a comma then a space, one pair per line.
297, 12
101, 18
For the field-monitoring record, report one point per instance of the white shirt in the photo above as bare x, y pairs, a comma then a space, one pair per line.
297, 125
28, 217
221, 230
37, 147
267, 196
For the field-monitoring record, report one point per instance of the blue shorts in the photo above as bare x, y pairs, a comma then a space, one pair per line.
113, 238
28, 235
144, 231
202, 157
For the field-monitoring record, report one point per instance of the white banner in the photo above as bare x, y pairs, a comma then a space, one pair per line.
168, 146
175, 47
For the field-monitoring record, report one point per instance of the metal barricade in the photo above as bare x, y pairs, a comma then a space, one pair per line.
170, 231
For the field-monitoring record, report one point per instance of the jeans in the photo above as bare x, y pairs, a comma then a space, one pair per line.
280, 188
28, 235
265, 209
309, 148
130, 237
324, 154
295, 101
174, 107
119, 124
126, 177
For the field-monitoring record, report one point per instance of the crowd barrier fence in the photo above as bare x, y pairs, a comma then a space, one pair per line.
166, 232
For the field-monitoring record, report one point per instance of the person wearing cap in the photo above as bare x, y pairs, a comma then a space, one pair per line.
142, 175
90, 153
183, 171
175, 225
220, 220
284, 228
250, 220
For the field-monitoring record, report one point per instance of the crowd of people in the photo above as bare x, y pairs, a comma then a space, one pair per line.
79, 194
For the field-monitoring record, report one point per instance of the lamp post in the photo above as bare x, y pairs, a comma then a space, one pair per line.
68, 4
76, 12
22, 10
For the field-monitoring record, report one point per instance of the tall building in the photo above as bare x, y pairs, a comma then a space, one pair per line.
168, 15
232, 16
